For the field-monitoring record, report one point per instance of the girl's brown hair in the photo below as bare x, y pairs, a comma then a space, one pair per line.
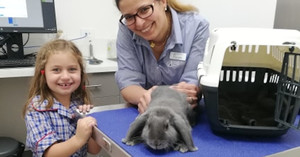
38, 85
179, 7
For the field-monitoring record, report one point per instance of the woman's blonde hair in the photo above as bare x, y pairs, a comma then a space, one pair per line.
38, 85
179, 7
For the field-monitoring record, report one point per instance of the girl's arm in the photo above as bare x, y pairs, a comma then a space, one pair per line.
93, 147
64, 149
69, 147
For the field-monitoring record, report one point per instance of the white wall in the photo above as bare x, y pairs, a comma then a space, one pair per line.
73, 16
237, 13
101, 17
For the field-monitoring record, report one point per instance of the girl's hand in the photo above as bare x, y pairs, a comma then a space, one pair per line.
190, 90
145, 100
85, 108
84, 129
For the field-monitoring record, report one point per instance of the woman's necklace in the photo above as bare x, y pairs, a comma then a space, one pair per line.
153, 44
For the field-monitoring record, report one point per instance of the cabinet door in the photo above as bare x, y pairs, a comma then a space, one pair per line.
104, 90
13, 95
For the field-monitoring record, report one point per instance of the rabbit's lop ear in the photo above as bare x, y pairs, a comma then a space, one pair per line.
136, 127
184, 129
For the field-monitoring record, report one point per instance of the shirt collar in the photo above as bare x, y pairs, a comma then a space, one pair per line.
176, 29
57, 106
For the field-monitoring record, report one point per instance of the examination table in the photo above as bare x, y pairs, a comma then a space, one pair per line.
114, 121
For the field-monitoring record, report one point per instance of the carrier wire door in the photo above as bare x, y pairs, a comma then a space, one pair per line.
288, 92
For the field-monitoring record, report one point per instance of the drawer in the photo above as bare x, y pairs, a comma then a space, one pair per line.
103, 84
104, 90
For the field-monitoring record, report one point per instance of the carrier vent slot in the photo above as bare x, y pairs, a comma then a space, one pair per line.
243, 75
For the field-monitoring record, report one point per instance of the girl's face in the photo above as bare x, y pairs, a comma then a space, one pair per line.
149, 28
63, 74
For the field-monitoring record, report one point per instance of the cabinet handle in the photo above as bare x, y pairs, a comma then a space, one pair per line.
93, 86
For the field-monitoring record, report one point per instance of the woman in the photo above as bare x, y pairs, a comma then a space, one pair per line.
160, 42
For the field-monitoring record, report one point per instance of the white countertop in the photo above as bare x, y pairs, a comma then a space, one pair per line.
105, 66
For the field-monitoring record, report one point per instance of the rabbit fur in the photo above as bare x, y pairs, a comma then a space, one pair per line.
165, 124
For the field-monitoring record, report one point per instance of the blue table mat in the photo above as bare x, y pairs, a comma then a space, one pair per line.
115, 123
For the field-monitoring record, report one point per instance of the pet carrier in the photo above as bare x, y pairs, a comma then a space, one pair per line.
247, 74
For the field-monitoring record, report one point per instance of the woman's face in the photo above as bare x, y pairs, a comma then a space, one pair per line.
149, 28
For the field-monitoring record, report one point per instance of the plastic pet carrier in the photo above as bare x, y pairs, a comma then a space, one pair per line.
250, 81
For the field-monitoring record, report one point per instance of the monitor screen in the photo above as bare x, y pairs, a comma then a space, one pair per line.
24, 16
27, 16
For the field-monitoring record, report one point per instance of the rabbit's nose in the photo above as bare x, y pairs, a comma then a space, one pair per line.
157, 145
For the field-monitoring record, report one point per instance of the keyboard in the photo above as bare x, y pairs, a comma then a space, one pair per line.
10, 63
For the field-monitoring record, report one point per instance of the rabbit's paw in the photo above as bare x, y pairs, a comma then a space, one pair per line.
131, 142
128, 142
193, 149
181, 148
124, 140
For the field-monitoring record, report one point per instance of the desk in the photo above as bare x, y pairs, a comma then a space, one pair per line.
115, 123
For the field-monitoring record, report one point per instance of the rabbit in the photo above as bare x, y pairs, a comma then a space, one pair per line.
165, 124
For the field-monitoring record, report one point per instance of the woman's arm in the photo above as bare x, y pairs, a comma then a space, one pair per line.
133, 93
137, 95
199, 32
191, 91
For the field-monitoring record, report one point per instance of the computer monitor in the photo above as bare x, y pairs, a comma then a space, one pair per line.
24, 16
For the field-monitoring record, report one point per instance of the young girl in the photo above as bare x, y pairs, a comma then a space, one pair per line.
57, 89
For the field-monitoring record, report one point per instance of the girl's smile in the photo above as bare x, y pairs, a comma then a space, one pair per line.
65, 85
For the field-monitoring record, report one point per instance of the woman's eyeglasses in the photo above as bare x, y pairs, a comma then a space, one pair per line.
142, 13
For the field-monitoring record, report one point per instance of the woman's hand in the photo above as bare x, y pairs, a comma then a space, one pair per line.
85, 108
145, 100
190, 90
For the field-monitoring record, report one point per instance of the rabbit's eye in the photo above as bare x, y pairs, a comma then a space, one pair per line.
166, 126
149, 125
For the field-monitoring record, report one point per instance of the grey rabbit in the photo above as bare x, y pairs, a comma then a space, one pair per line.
165, 124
